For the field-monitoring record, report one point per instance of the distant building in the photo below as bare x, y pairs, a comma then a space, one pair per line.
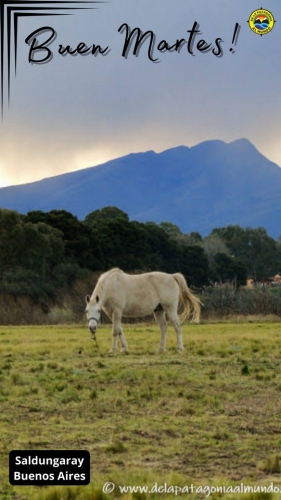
276, 280
270, 282
250, 283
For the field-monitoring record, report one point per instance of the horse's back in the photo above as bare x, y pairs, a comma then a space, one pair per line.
139, 294
158, 287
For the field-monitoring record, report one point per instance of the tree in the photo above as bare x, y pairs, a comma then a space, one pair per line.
123, 244
44, 249
194, 265
163, 251
237, 241
263, 254
11, 240
194, 238
214, 244
105, 214
81, 241
226, 269
171, 229
254, 247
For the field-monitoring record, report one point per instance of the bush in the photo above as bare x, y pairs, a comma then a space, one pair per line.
225, 301
20, 311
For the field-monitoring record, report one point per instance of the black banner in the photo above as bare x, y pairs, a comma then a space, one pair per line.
42, 468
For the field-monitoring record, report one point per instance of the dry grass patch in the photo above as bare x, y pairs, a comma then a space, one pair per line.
199, 414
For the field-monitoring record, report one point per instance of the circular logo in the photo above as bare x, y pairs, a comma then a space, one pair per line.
261, 21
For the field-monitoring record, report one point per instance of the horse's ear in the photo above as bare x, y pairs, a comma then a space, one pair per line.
87, 298
97, 298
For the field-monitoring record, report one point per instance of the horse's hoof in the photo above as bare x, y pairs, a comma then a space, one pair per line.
112, 351
160, 351
180, 349
124, 350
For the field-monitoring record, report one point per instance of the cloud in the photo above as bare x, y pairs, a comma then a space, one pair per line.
79, 111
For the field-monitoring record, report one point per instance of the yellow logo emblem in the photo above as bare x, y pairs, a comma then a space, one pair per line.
261, 21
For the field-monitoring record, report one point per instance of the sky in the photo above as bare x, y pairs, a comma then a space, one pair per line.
75, 112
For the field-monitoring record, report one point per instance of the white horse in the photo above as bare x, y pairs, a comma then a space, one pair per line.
120, 294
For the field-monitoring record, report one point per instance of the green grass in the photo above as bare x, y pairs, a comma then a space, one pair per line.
208, 416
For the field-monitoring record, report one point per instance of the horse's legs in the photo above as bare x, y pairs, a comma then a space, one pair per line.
161, 320
173, 317
123, 341
117, 331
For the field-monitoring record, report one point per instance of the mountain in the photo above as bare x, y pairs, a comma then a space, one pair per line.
213, 184
261, 21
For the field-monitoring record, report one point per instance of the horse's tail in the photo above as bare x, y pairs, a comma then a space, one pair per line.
191, 303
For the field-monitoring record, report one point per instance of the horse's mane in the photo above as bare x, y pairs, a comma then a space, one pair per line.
102, 279
111, 271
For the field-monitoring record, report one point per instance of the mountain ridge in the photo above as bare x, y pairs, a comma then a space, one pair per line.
211, 184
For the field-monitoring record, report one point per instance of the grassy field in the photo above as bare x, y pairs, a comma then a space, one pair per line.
208, 416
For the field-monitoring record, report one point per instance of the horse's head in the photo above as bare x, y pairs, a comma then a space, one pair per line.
93, 312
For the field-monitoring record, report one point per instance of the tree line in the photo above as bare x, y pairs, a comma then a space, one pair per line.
42, 253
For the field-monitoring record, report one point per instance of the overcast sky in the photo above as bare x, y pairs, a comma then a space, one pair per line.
76, 112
